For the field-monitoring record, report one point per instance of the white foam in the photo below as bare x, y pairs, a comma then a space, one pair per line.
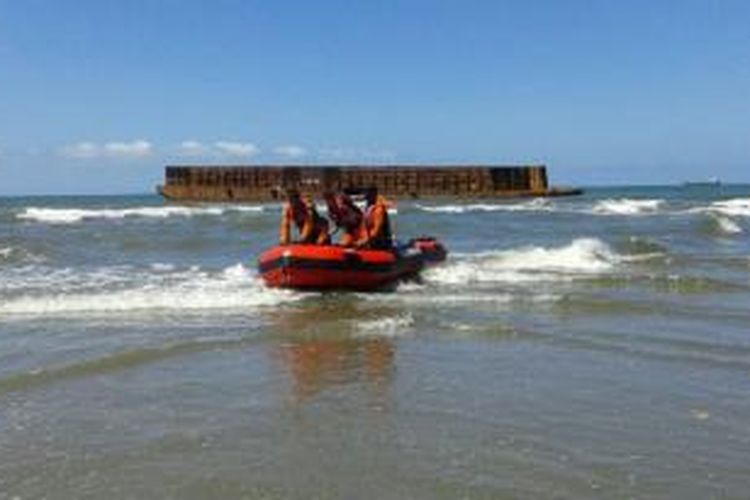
409, 287
40, 291
537, 204
460, 297
737, 207
385, 327
583, 256
627, 206
18, 254
161, 266
723, 212
727, 225
641, 257
74, 215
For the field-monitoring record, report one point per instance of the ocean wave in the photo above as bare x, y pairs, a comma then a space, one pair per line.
537, 204
627, 206
36, 290
15, 255
736, 207
75, 215
638, 249
583, 256
725, 225
723, 214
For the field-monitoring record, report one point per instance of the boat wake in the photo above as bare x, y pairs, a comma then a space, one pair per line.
39, 290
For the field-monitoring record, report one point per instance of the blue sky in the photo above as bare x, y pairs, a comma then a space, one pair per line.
96, 96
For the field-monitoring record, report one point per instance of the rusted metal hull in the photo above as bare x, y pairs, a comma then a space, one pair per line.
266, 183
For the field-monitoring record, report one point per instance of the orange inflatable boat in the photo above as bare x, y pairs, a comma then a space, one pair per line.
330, 267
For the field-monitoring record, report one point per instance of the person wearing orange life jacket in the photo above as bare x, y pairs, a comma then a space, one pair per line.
377, 223
347, 216
312, 228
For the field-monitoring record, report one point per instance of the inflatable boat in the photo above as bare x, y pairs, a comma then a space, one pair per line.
332, 267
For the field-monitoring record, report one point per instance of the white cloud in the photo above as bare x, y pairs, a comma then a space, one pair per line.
80, 150
290, 151
237, 148
192, 148
128, 149
195, 148
114, 149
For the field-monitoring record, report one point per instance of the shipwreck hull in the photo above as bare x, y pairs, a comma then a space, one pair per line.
267, 183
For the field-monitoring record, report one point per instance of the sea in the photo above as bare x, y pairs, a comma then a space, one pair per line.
595, 346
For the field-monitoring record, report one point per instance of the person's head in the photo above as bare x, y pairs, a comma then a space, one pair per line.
294, 197
307, 199
292, 194
371, 195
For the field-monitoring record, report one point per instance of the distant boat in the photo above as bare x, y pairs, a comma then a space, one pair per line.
712, 182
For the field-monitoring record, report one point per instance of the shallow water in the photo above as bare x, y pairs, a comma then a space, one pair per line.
588, 347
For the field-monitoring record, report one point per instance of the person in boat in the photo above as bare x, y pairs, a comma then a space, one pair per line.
312, 227
347, 216
377, 224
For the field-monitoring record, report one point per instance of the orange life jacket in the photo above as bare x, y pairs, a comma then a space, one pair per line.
384, 240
